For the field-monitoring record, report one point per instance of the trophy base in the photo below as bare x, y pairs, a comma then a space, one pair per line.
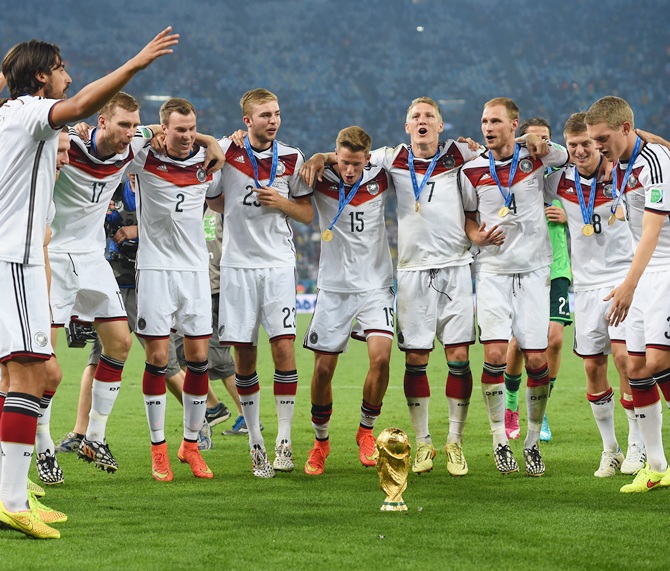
393, 507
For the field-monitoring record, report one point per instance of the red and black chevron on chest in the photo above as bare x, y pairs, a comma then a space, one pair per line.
174, 174
567, 190
450, 160
80, 160
368, 191
237, 158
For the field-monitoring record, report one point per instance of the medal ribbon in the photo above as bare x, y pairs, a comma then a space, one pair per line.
429, 171
587, 211
254, 164
345, 200
616, 194
512, 172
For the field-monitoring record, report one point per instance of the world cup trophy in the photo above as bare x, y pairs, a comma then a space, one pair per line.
393, 467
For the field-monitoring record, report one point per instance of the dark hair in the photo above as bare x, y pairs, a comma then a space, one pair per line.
24, 61
534, 122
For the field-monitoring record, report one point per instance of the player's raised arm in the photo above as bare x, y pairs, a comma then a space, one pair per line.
93, 96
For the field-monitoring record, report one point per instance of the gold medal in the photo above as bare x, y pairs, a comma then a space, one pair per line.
416, 206
504, 211
326, 235
588, 230
611, 220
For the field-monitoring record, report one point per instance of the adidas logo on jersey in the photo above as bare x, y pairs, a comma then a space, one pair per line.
486, 176
162, 168
239, 159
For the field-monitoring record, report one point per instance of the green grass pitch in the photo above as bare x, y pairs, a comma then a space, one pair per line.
567, 519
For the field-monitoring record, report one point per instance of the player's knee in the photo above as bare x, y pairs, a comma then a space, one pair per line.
323, 372
590, 367
620, 361
379, 362
536, 360
555, 343
657, 361
495, 354
54, 375
117, 346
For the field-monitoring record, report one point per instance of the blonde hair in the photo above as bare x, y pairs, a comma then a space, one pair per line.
175, 105
355, 139
424, 99
611, 110
575, 124
122, 100
255, 97
507, 103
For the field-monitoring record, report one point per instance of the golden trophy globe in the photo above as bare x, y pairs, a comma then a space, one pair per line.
393, 467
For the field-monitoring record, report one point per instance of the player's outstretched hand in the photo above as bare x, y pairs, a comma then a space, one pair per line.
555, 214
472, 145
622, 297
537, 146
238, 137
312, 169
493, 237
161, 45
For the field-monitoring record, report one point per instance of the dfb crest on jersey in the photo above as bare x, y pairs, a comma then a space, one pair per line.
632, 181
41, 339
373, 188
141, 323
607, 191
118, 164
526, 165
313, 337
448, 162
281, 168
201, 175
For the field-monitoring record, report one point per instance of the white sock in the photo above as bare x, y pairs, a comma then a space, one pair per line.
285, 405
458, 414
43, 440
418, 414
252, 416
155, 405
650, 423
103, 398
603, 412
14, 480
536, 405
494, 399
195, 407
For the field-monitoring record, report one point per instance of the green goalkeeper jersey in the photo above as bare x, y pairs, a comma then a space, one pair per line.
560, 267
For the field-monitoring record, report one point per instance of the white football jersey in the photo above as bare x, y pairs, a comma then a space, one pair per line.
433, 237
83, 191
602, 259
358, 257
527, 246
645, 190
255, 236
28, 147
169, 211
